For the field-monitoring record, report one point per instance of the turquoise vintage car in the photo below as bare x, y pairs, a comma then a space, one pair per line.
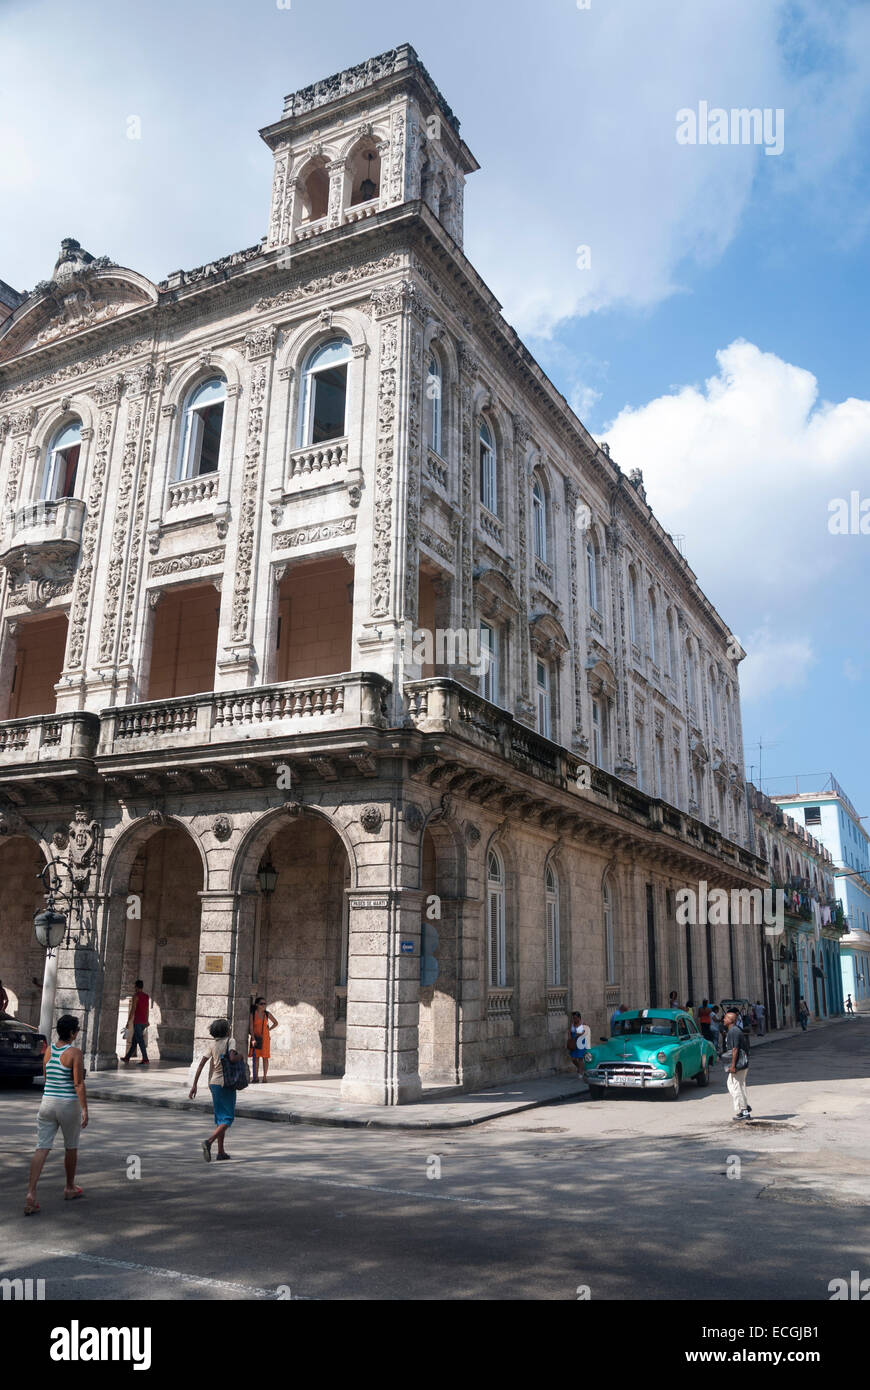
650, 1050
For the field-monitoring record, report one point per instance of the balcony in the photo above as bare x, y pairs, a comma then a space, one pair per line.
316, 464
190, 490
47, 738
310, 229
327, 703
53, 528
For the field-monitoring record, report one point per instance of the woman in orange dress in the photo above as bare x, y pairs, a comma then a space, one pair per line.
259, 1028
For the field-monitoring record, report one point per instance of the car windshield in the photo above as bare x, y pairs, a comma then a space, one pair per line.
654, 1027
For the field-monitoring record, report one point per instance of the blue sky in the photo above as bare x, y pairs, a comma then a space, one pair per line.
719, 340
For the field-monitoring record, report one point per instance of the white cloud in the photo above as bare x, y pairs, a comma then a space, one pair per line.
745, 469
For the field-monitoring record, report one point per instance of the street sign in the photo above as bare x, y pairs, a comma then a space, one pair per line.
407, 948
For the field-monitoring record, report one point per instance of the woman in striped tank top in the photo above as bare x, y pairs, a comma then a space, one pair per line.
64, 1106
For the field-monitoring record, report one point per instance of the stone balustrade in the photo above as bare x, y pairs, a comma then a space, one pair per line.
54, 525
310, 229
48, 738
491, 526
362, 211
557, 1001
314, 461
327, 702
188, 490
437, 470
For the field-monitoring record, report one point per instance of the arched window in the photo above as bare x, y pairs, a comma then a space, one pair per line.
609, 941
314, 193
729, 714
324, 393
496, 943
714, 701
203, 423
488, 476
672, 642
539, 516
691, 683
554, 950
365, 175
592, 573
61, 465
434, 410
542, 691
632, 605
653, 625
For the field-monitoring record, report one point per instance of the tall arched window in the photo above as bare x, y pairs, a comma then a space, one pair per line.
691, 682
314, 195
434, 408
543, 698
554, 949
364, 169
632, 605
609, 941
714, 701
652, 616
488, 473
496, 943
672, 642
324, 393
592, 583
539, 516
203, 425
61, 464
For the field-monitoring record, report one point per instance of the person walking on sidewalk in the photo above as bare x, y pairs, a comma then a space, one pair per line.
64, 1106
803, 1013
223, 1097
577, 1043
761, 1017
259, 1028
849, 1008
138, 1021
736, 1056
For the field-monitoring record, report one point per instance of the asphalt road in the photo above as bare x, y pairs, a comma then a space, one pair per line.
632, 1197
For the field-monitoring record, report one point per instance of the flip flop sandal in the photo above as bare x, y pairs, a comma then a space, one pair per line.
31, 1208
71, 1197
206, 1150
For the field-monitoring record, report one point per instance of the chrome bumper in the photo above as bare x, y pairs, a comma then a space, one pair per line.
627, 1082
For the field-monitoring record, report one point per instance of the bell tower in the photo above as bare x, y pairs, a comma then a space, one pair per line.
373, 137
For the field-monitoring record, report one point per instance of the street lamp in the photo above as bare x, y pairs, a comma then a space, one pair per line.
50, 926
267, 877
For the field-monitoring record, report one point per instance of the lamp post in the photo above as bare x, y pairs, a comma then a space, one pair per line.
267, 878
49, 927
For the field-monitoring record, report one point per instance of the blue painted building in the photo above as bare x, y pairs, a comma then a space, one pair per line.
831, 817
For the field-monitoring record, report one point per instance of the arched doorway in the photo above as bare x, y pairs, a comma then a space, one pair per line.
299, 951
156, 884
22, 959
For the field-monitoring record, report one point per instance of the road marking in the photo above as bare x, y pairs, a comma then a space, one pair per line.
164, 1273
395, 1191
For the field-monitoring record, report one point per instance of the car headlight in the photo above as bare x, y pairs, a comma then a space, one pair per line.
661, 1056
590, 1057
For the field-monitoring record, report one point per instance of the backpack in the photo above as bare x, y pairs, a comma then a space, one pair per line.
236, 1076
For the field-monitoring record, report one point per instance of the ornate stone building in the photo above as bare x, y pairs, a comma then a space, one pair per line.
308, 567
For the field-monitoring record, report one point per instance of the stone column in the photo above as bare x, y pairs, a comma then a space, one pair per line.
219, 950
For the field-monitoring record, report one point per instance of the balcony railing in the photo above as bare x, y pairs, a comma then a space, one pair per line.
310, 229
48, 738
362, 210
57, 525
328, 702
314, 461
188, 490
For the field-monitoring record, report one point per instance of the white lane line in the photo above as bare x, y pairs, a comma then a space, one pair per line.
163, 1273
392, 1191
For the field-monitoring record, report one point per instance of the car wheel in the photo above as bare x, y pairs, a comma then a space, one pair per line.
703, 1077
673, 1092
596, 1092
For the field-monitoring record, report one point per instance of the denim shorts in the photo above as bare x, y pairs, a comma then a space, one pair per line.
224, 1101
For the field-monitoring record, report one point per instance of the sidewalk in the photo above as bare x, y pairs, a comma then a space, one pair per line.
316, 1100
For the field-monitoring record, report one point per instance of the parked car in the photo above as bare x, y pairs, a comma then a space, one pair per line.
650, 1050
21, 1049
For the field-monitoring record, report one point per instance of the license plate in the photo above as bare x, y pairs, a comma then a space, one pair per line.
22, 1047
626, 1081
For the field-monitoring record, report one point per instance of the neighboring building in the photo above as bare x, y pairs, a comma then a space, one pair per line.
802, 955
228, 500
831, 817
9, 300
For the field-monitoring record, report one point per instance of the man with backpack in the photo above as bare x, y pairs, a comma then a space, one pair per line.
735, 1054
